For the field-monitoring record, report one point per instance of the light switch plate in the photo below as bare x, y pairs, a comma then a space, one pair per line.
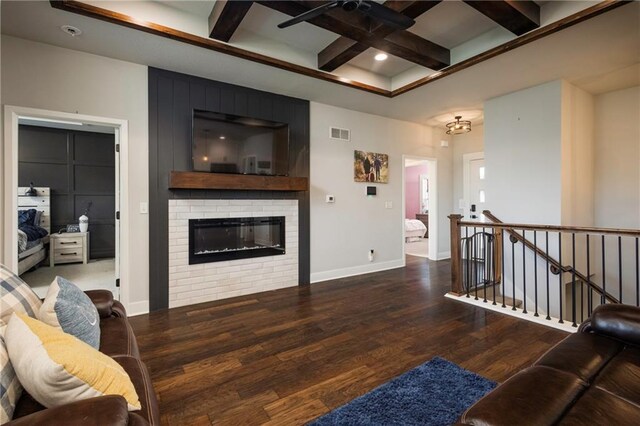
144, 208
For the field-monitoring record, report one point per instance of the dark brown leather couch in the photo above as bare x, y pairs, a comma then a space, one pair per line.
118, 341
590, 378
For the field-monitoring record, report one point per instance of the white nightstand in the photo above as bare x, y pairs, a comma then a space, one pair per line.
69, 247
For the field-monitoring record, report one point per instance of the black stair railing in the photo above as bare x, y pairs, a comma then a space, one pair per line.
583, 267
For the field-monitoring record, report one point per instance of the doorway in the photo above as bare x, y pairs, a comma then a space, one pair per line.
474, 186
64, 166
72, 170
420, 207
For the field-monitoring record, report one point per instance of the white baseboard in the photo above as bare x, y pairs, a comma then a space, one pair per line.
553, 322
444, 255
138, 308
317, 277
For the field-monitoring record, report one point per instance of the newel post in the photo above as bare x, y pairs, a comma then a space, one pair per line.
456, 255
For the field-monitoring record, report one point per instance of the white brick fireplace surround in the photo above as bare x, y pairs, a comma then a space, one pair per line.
190, 284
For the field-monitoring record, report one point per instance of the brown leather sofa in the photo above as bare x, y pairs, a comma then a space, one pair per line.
590, 378
118, 341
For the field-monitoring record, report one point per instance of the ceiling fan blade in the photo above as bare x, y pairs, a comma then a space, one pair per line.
308, 15
387, 16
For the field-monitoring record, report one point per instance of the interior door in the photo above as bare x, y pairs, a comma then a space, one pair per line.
475, 191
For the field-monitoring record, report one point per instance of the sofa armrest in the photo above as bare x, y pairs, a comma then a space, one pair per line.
621, 322
103, 299
105, 410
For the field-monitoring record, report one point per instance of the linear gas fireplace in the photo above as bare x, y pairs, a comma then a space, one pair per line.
215, 240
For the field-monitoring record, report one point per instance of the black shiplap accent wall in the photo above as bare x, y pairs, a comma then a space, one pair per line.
172, 98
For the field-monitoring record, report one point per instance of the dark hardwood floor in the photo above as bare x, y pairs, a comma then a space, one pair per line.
288, 356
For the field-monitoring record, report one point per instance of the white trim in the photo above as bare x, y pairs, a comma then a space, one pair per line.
432, 173
466, 159
553, 322
356, 270
444, 255
9, 211
138, 308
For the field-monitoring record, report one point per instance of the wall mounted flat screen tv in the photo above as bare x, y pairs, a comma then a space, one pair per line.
224, 143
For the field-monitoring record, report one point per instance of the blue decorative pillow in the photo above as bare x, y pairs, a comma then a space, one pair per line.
27, 217
68, 308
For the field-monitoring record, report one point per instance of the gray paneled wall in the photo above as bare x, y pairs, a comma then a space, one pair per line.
172, 98
79, 167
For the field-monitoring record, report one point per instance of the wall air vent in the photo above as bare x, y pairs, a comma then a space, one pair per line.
340, 134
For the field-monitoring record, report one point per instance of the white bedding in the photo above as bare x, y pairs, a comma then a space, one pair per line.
414, 230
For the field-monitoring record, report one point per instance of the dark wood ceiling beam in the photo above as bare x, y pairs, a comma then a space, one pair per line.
519, 16
343, 49
225, 17
403, 44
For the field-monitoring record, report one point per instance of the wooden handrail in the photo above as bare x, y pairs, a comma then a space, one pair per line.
551, 228
553, 262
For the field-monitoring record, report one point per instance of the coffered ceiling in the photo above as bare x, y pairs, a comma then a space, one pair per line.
600, 54
339, 44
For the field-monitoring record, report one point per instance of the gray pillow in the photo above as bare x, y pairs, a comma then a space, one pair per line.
70, 309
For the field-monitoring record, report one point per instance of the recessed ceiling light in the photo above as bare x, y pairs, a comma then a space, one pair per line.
381, 57
71, 30
222, 137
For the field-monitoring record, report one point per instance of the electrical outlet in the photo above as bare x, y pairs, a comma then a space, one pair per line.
388, 204
371, 255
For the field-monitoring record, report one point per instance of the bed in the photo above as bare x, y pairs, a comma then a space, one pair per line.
414, 230
34, 251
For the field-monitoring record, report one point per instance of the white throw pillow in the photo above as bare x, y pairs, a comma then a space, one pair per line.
56, 368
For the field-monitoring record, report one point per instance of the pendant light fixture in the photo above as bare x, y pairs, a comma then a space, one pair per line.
459, 126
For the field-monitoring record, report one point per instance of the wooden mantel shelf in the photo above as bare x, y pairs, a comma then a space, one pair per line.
203, 180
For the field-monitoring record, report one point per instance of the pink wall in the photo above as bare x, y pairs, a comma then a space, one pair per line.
412, 189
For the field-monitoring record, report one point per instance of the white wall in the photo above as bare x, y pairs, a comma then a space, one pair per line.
617, 183
342, 233
522, 146
617, 159
464, 144
46, 77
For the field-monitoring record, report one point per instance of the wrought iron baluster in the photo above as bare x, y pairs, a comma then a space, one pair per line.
535, 271
467, 251
502, 234
513, 272
484, 271
524, 273
560, 283
620, 269
546, 251
493, 264
573, 279
475, 256
604, 273
590, 292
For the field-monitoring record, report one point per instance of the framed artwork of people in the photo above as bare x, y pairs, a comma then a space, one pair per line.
370, 167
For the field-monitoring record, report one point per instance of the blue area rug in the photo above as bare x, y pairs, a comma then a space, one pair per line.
434, 393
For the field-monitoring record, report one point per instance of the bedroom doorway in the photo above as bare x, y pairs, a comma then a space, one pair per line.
65, 168
419, 207
72, 168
